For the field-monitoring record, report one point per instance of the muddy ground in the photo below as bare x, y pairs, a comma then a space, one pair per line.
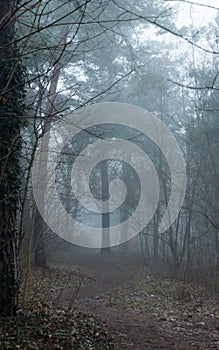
141, 310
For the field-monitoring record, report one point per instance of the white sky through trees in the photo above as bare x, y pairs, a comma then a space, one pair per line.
195, 12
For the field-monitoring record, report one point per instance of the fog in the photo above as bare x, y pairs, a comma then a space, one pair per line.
109, 174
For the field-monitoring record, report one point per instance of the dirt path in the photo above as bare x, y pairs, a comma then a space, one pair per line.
143, 313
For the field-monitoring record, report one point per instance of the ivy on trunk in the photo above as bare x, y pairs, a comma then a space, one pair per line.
12, 95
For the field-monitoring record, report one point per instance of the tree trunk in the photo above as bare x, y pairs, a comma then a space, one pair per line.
11, 107
105, 216
39, 250
39, 244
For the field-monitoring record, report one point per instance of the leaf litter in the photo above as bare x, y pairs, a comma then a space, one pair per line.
118, 310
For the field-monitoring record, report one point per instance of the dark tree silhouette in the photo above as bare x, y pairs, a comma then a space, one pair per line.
11, 107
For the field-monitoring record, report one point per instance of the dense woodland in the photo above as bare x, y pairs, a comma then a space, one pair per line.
58, 56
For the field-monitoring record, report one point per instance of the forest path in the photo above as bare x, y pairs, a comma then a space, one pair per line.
144, 312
